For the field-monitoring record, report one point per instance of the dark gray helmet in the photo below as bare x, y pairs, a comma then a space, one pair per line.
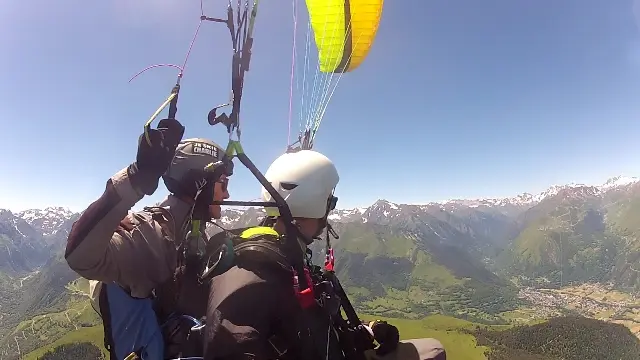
186, 173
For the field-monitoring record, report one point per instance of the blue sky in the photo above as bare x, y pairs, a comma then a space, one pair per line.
456, 98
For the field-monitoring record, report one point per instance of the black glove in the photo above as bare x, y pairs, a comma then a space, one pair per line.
153, 159
387, 336
362, 339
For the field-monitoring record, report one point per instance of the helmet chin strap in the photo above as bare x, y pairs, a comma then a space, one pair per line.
330, 232
329, 260
200, 212
322, 226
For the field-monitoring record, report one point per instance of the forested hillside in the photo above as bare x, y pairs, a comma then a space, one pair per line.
564, 338
78, 351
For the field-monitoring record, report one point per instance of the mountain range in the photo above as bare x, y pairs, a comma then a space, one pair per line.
465, 258
565, 234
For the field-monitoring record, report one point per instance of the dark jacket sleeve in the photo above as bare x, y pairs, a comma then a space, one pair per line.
246, 307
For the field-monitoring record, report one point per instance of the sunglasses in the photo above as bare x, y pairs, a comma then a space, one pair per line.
224, 184
332, 203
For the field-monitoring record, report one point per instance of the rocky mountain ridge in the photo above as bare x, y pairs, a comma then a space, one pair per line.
49, 219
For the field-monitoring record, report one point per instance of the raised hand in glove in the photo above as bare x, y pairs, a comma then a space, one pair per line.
386, 335
155, 154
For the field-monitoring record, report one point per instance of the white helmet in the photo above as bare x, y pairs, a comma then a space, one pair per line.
306, 180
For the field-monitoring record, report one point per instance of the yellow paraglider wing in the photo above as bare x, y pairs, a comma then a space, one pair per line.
344, 31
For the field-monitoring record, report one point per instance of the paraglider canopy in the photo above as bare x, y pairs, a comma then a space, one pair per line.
343, 33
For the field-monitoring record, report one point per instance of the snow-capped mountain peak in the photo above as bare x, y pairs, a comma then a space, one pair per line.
341, 215
527, 199
618, 182
230, 215
48, 220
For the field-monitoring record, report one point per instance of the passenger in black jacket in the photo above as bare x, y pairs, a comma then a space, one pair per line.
254, 312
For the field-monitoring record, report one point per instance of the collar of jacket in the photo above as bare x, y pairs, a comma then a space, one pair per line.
179, 209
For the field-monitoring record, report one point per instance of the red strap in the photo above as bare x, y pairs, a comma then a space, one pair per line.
329, 261
306, 298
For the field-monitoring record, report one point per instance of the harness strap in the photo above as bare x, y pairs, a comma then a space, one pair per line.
163, 217
167, 223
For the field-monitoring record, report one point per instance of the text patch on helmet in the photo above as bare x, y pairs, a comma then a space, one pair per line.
201, 148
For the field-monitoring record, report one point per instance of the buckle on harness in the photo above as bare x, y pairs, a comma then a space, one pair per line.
133, 356
306, 297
